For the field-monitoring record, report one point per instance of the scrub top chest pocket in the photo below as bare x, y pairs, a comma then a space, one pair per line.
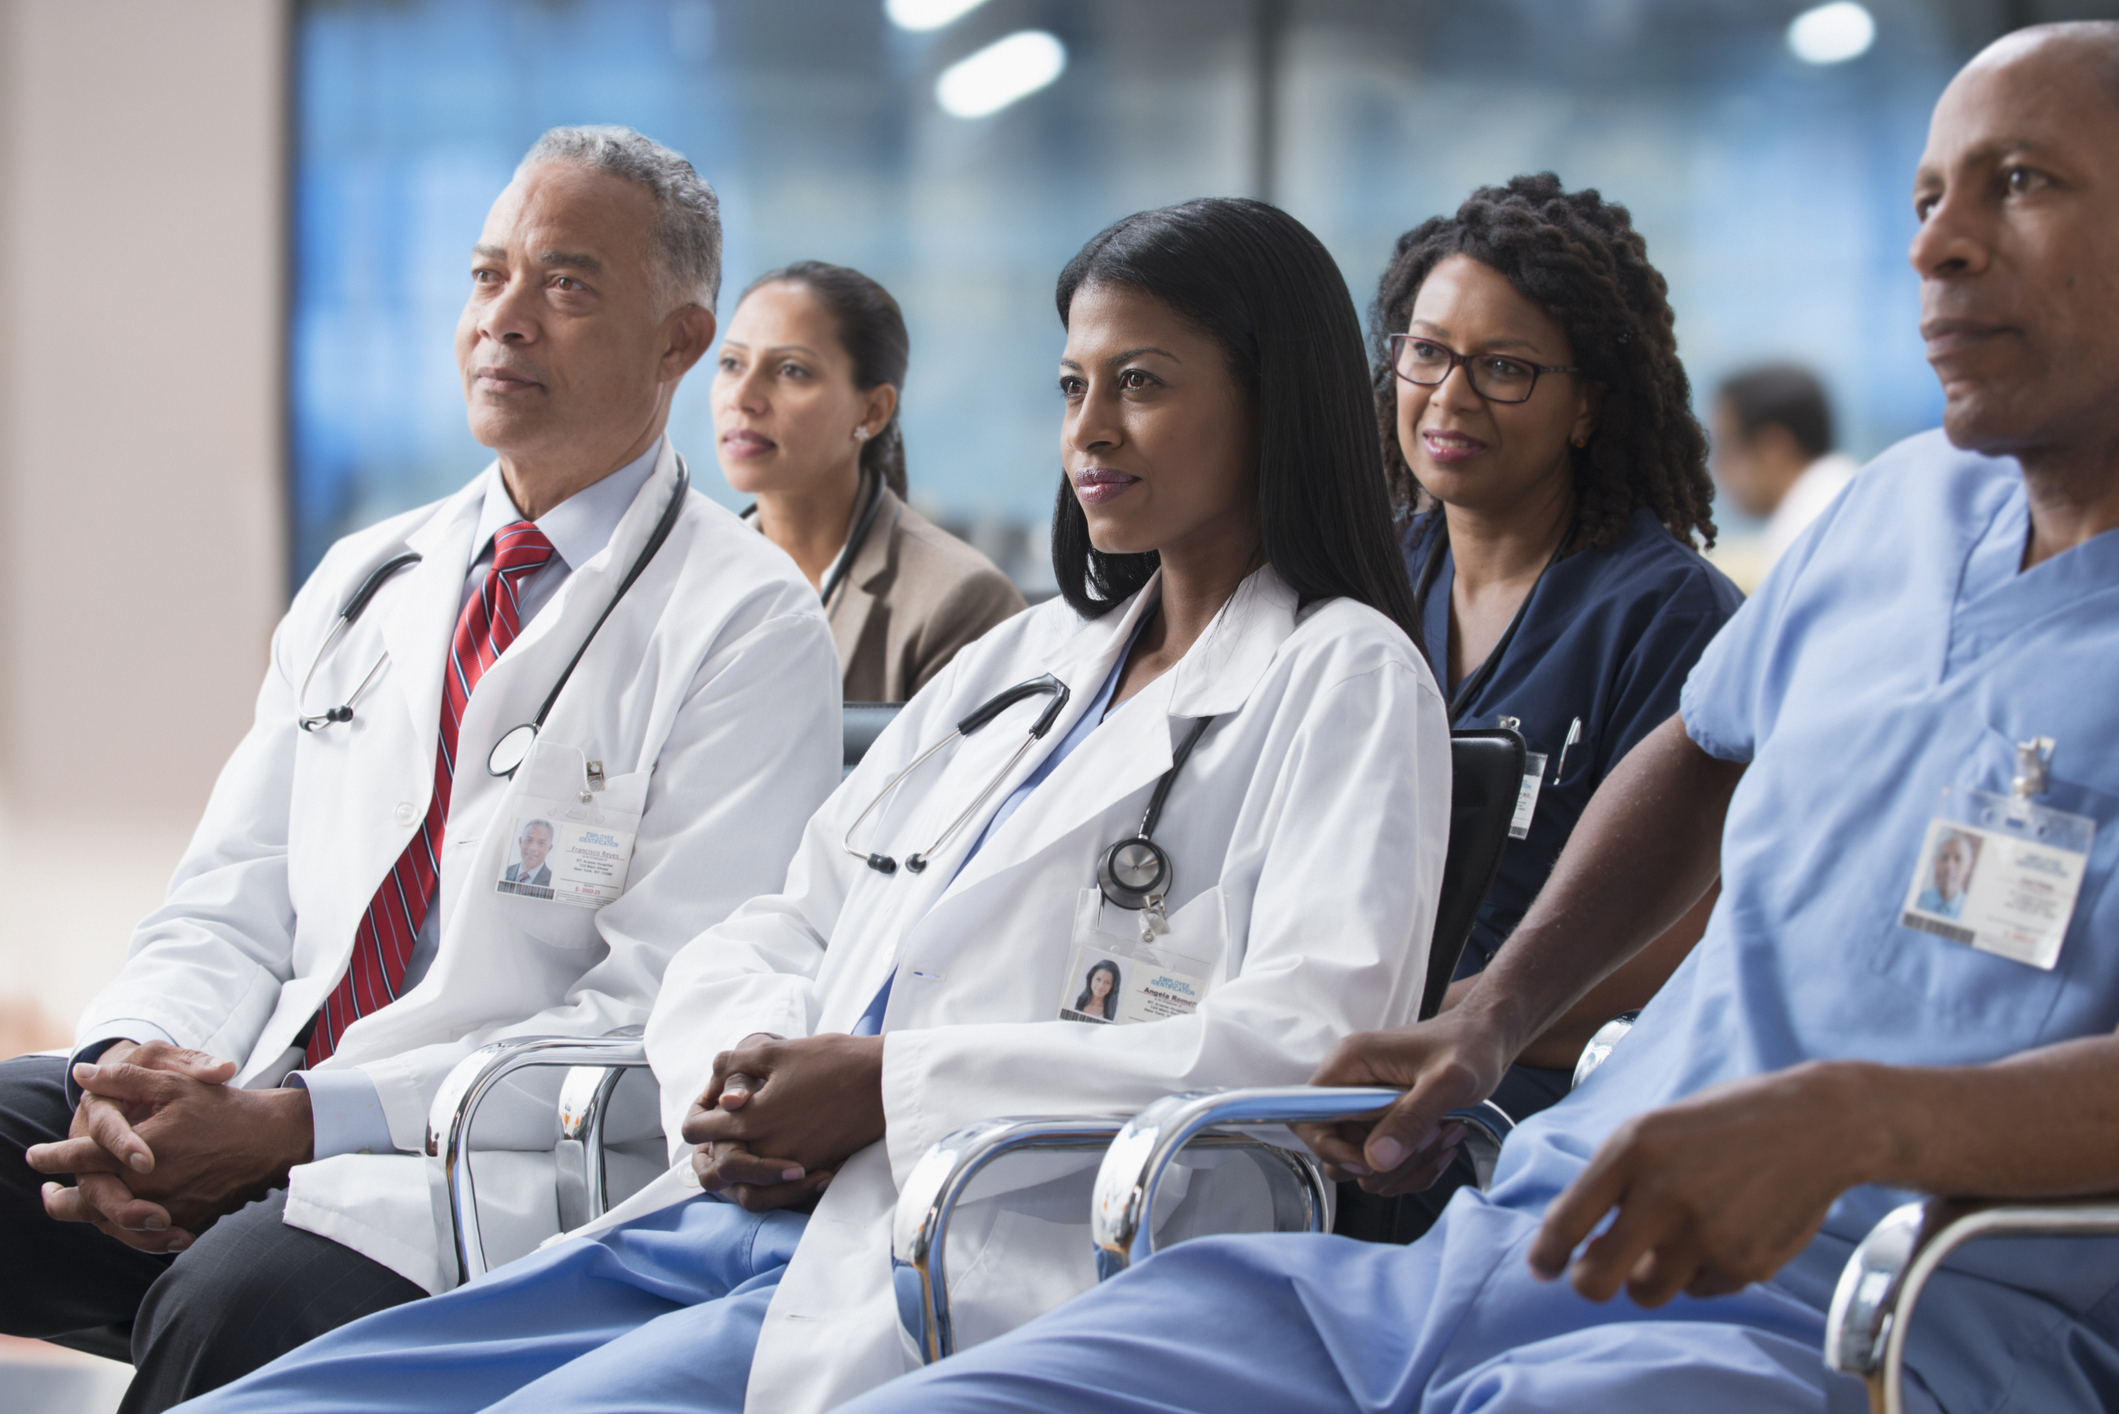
2001, 873
566, 843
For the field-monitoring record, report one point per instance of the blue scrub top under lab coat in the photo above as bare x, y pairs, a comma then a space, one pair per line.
1607, 636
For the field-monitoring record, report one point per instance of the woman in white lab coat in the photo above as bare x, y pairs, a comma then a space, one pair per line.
1232, 627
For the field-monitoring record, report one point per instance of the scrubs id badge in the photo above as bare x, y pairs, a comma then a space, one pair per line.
2000, 873
1113, 978
1527, 794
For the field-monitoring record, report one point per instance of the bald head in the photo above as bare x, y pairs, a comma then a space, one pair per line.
2018, 251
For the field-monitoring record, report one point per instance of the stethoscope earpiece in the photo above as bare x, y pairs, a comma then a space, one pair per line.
1045, 685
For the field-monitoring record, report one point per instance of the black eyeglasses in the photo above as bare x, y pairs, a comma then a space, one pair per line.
1495, 377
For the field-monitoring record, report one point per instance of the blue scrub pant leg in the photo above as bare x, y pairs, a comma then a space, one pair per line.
1319, 1325
661, 1314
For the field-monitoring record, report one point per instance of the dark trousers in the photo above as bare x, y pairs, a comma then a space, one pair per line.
248, 1291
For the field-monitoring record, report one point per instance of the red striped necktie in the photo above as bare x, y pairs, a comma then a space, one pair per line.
383, 945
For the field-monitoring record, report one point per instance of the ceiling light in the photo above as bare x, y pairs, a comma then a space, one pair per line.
927, 14
998, 75
1832, 34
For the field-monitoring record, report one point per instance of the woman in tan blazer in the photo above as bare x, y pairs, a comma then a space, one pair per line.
805, 419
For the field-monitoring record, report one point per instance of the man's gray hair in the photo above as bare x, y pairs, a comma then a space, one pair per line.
688, 232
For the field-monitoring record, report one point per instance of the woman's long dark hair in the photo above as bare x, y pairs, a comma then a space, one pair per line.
872, 331
1254, 279
1083, 1002
1580, 259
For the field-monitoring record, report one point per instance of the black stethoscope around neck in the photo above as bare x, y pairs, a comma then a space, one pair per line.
1135, 873
514, 745
841, 567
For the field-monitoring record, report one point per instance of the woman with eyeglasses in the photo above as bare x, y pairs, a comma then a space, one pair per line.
806, 390
1201, 799
1538, 433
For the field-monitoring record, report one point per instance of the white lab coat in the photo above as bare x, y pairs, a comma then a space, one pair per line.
711, 698
1307, 833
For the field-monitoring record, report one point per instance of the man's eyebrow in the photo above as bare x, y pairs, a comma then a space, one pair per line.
572, 260
567, 259
1992, 150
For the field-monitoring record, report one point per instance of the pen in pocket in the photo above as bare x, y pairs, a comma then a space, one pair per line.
1574, 738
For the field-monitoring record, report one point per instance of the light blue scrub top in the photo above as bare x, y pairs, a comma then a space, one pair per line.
1895, 650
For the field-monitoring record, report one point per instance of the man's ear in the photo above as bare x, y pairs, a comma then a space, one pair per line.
689, 334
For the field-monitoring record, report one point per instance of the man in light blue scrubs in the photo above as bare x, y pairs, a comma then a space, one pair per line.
1825, 1051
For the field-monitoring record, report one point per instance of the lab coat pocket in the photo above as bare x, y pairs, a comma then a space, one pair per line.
565, 845
1119, 973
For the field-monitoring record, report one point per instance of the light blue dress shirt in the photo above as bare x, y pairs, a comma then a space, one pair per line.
346, 1111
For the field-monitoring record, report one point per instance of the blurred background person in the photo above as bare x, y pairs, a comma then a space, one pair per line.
1776, 456
805, 415
1534, 409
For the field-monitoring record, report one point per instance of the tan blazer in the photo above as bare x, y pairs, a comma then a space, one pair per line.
914, 595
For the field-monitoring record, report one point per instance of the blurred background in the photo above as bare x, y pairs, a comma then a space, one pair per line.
237, 234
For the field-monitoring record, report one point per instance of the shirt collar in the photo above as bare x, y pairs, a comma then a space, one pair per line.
581, 525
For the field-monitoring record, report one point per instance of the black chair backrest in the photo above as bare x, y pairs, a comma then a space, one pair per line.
864, 723
1486, 776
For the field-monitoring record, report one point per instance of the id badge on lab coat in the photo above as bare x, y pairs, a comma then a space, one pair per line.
568, 851
1114, 979
2000, 874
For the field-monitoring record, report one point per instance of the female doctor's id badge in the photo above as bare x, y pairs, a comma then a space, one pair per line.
1113, 978
566, 855
2000, 874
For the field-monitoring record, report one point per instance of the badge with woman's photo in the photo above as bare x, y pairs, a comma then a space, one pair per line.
1999, 874
566, 861
1112, 978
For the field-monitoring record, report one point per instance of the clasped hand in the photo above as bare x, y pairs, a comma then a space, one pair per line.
160, 1146
1712, 1193
778, 1117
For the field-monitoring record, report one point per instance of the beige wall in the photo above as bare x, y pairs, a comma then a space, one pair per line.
142, 147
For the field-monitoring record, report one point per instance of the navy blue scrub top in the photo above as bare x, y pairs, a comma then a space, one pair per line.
1608, 636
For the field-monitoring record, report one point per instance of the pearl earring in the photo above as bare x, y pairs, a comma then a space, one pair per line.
860, 434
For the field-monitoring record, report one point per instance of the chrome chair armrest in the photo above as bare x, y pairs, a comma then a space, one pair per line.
919, 1231
1140, 1156
1872, 1308
595, 1065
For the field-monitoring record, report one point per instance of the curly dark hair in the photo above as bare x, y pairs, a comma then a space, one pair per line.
1580, 258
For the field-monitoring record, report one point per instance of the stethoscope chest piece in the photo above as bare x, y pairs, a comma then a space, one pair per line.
1134, 873
512, 750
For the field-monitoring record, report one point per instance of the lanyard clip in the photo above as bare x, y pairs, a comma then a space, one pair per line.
2034, 760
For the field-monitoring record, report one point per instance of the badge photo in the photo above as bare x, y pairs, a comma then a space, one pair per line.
1114, 979
551, 856
1999, 874
528, 870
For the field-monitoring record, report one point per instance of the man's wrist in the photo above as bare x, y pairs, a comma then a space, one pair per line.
291, 1124
1863, 1121
1499, 1009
